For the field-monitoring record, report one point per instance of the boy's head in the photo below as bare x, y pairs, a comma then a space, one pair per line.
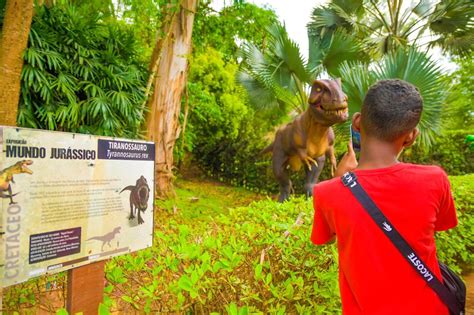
392, 108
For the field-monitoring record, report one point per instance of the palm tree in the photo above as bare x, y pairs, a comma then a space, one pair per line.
279, 76
410, 65
385, 26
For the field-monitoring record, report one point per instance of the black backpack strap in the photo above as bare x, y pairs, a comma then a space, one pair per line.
350, 180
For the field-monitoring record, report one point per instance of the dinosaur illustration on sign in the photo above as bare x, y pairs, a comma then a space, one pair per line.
6, 178
139, 195
107, 238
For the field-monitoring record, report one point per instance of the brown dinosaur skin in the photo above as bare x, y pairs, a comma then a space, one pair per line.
139, 195
107, 238
6, 177
309, 138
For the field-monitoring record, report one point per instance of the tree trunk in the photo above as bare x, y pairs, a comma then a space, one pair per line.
162, 124
13, 41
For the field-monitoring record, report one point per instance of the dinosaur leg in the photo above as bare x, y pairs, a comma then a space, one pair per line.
332, 157
140, 220
131, 210
11, 195
312, 176
281, 174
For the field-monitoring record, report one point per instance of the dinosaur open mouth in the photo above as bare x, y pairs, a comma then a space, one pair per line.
333, 111
336, 111
26, 169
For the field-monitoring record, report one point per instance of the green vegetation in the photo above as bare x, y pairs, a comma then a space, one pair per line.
81, 74
232, 249
212, 252
456, 247
216, 253
450, 151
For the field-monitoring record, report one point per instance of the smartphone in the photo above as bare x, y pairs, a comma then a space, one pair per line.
355, 139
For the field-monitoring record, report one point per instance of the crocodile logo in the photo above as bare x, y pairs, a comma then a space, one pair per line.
6, 178
139, 195
387, 227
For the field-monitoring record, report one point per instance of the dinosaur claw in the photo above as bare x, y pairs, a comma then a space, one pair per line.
310, 161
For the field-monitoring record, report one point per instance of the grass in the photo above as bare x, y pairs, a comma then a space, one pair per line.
203, 199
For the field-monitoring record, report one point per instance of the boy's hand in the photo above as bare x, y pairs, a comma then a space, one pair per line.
347, 163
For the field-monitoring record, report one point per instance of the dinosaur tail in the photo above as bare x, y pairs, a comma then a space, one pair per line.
95, 238
267, 149
2, 195
127, 188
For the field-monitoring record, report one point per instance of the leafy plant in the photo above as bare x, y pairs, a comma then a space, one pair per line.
382, 27
279, 76
410, 65
459, 112
81, 75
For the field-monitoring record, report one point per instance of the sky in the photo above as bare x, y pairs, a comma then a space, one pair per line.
296, 15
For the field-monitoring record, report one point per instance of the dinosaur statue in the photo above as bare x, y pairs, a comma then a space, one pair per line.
107, 238
6, 177
139, 195
309, 138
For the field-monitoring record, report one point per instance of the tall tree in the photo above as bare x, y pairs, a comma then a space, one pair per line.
383, 26
162, 123
13, 41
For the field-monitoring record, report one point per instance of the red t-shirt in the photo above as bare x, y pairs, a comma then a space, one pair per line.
374, 278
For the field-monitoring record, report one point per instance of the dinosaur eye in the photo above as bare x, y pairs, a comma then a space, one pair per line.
318, 90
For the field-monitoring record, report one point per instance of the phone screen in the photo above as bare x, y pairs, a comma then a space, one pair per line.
355, 139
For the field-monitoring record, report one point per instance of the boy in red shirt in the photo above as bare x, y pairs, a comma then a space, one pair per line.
374, 278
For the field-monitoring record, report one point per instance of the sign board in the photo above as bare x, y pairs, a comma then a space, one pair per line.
71, 199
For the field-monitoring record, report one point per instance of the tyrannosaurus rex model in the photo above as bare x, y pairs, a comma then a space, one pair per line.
139, 195
6, 177
309, 137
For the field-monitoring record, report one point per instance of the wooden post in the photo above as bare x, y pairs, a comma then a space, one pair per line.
85, 288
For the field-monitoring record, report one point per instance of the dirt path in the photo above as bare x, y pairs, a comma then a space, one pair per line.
469, 279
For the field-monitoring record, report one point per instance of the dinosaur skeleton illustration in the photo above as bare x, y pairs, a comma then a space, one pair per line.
106, 238
6, 177
139, 195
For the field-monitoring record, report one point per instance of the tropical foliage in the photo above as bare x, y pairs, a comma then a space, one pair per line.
381, 27
87, 69
81, 75
409, 65
227, 29
215, 252
460, 113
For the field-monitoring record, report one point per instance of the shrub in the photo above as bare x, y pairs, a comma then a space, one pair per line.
456, 246
243, 258
81, 74
449, 151
254, 258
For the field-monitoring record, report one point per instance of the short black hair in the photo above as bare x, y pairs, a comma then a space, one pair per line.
391, 108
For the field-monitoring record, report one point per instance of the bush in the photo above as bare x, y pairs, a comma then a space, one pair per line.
242, 258
81, 74
449, 151
256, 258
456, 246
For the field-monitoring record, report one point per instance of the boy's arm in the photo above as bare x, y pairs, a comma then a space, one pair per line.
446, 218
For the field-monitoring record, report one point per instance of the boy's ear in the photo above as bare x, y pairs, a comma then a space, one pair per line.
356, 121
411, 137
